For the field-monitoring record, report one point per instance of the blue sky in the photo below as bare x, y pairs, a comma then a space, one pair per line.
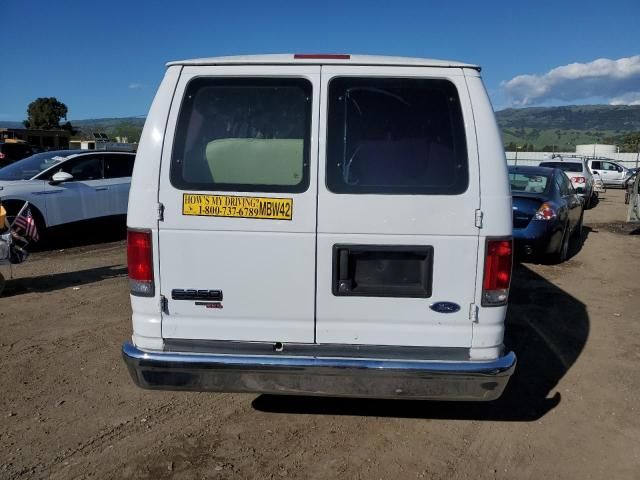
105, 59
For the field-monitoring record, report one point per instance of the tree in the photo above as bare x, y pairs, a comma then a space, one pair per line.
630, 142
46, 113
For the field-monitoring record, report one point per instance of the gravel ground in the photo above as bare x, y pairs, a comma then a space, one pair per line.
68, 408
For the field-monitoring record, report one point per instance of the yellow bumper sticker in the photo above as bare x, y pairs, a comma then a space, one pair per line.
238, 207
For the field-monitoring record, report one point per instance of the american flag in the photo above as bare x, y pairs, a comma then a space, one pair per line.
27, 224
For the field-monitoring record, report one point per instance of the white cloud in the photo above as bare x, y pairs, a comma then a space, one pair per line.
615, 80
631, 98
136, 86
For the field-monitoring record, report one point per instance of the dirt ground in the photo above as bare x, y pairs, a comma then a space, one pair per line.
68, 408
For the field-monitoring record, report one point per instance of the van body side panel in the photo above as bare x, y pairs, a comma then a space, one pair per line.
254, 246
494, 184
399, 321
143, 204
488, 331
443, 222
265, 298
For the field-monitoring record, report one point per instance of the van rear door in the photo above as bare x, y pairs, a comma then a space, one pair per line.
397, 251
238, 184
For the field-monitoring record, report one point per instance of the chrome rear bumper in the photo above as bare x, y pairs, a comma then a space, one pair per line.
313, 375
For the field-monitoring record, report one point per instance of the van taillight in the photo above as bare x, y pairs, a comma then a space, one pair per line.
497, 272
2, 155
140, 263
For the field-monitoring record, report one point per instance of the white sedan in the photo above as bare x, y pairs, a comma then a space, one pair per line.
68, 186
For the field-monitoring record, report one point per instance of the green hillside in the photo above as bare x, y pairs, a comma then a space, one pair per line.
130, 127
557, 139
562, 128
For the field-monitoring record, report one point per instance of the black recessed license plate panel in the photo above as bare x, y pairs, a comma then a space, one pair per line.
382, 270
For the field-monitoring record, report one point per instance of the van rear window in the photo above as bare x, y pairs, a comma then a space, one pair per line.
243, 134
395, 136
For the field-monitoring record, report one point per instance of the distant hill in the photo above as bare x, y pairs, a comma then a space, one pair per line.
622, 118
565, 127
130, 127
11, 124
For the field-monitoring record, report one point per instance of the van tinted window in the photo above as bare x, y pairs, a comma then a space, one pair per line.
395, 135
243, 134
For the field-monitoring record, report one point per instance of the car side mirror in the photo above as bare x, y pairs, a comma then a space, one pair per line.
60, 177
579, 189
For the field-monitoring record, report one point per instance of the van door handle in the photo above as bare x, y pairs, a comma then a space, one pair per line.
100, 189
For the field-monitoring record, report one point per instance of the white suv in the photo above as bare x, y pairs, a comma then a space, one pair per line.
611, 173
68, 186
321, 224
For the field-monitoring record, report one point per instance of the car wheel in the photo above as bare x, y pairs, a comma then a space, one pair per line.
14, 207
577, 231
3, 282
588, 202
563, 252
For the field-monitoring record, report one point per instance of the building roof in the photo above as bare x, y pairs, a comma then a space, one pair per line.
324, 59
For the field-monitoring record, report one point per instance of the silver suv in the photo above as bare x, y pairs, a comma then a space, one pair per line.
581, 177
612, 173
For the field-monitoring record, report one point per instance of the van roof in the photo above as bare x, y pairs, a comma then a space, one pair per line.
323, 59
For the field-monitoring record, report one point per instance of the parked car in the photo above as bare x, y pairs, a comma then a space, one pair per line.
579, 174
633, 212
547, 212
13, 151
68, 185
598, 184
325, 225
611, 173
628, 186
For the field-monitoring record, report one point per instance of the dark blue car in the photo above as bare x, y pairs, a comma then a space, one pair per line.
547, 212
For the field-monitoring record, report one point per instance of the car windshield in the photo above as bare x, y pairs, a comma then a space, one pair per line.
528, 182
564, 166
29, 167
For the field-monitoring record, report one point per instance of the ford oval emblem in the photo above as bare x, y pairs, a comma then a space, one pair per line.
445, 307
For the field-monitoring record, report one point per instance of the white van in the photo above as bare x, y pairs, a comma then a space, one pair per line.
322, 225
